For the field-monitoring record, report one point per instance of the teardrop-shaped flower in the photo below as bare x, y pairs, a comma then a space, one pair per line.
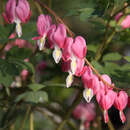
105, 100
43, 27
120, 103
19, 13
59, 37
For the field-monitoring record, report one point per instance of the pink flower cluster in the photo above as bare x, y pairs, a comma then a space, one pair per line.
85, 112
105, 95
17, 13
72, 51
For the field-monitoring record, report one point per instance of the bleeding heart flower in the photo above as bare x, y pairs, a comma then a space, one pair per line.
18, 14
59, 37
120, 103
106, 100
43, 26
66, 67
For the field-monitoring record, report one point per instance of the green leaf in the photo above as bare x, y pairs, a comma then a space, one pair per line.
35, 87
6, 79
127, 58
112, 57
97, 66
33, 97
86, 13
20, 53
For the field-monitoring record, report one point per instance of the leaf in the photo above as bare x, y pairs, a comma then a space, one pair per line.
29, 31
35, 87
6, 80
112, 57
110, 68
97, 66
86, 13
127, 58
33, 97
23, 65
20, 53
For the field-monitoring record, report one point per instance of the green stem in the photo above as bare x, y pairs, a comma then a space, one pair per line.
104, 45
106, 40
31, 122
25, 117
68, 114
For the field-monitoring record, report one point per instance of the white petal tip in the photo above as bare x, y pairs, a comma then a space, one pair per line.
88, 94
69, 80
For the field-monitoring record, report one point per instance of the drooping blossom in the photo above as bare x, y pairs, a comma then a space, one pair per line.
17, 13
75, 51
120, 103
44, 23
66, 67
85, 112
58, 40
106, 100
91, 84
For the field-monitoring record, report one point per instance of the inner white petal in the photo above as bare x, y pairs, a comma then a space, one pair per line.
57, 54
88, 94
41, 42
69, 80
73, 65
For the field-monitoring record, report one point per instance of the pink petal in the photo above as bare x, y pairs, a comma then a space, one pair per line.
10, 11
60, 35
67, 48
50, 35
23, 10
80, 66
79, 47
43, 24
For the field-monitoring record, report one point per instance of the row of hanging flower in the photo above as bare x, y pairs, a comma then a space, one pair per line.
72, 51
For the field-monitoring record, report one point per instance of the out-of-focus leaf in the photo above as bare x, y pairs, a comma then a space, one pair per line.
5, 31
110, 68
29, 31
22, 64
36, 87
112, 57
127, 58
6, 79
33, 97
87, 12
20, 53
97, 66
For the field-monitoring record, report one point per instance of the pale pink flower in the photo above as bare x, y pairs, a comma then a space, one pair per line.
59, 37
19, 13
126, 22
91, 84
120, 103
44, 23
24, 74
